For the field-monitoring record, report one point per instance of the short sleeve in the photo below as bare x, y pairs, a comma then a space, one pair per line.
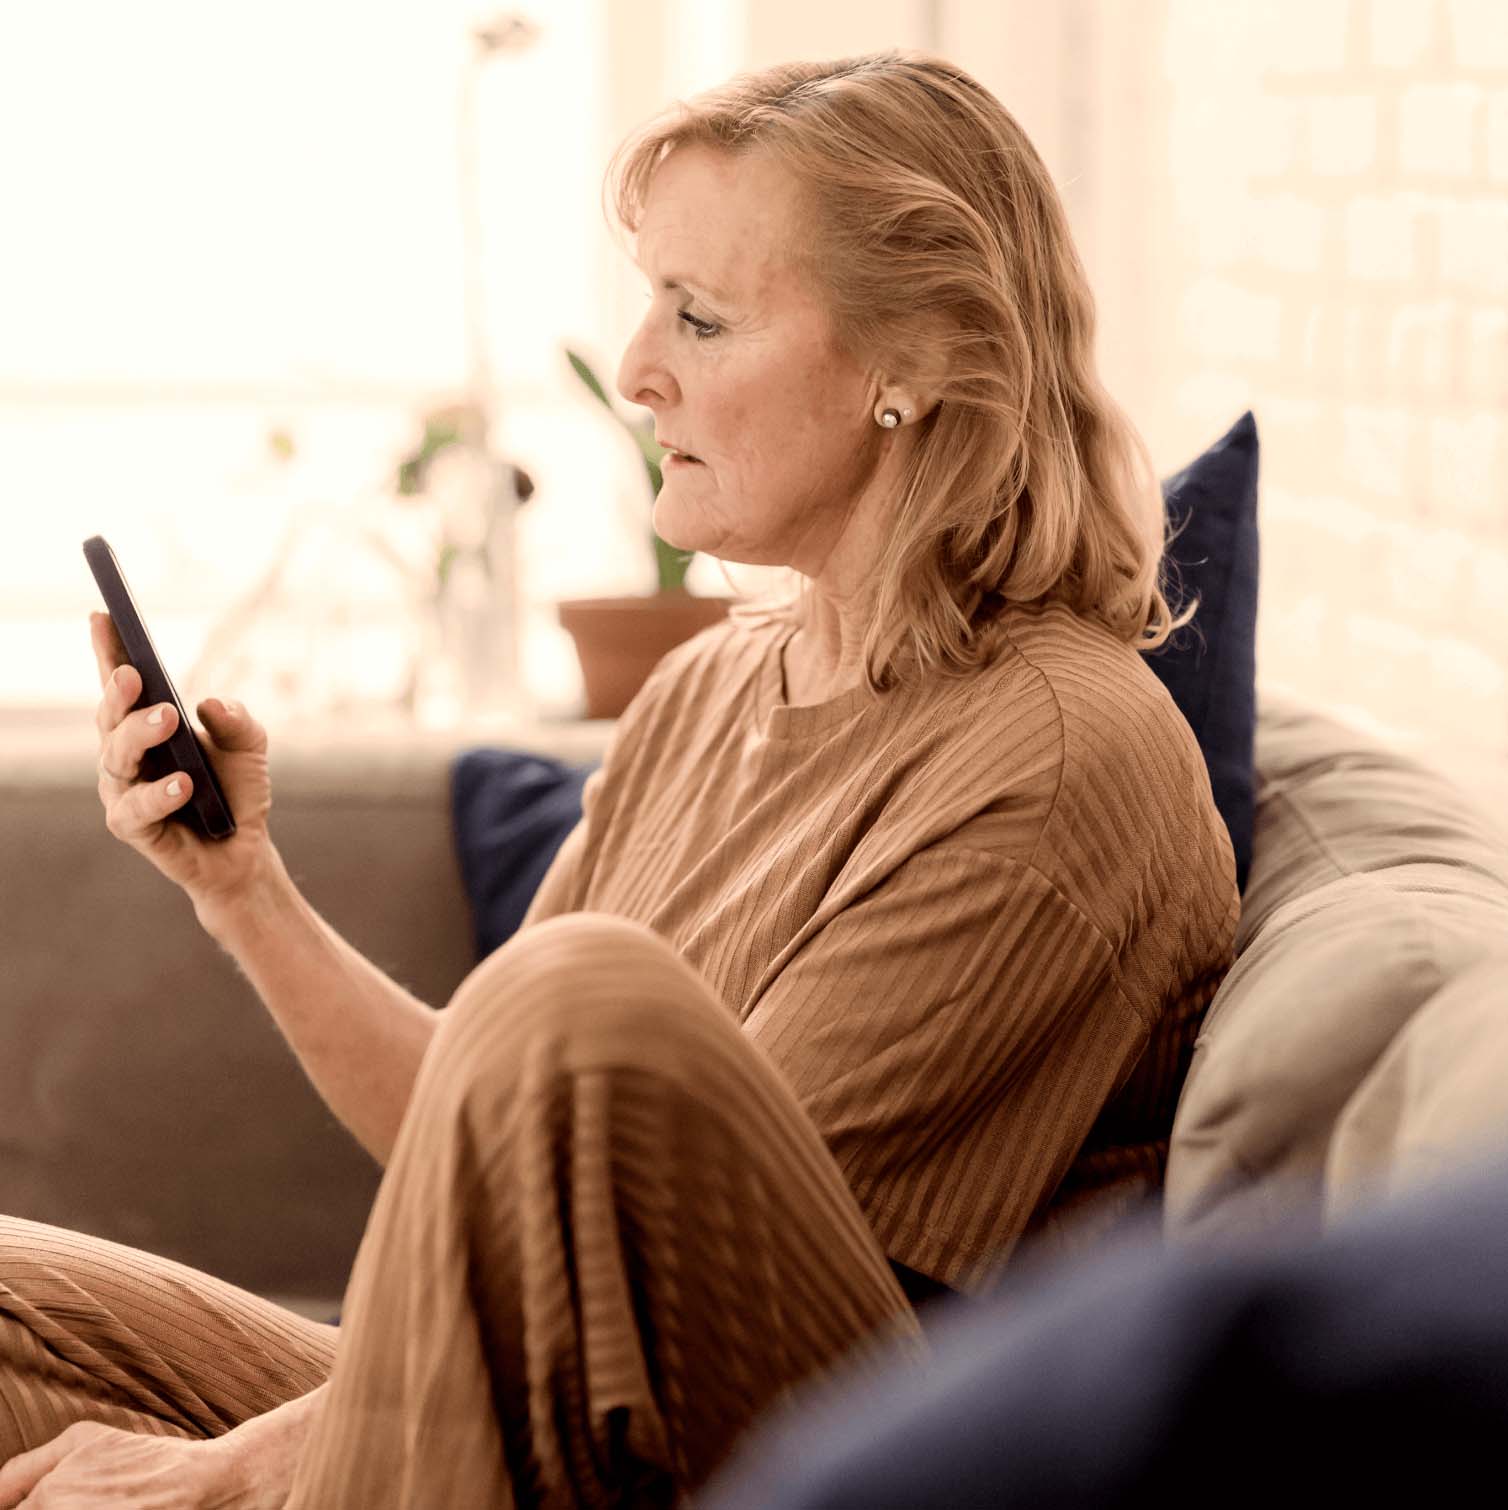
954, 1033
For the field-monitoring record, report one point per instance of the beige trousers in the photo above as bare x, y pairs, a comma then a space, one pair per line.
607, 1240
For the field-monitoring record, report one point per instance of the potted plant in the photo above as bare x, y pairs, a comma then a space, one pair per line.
619, 640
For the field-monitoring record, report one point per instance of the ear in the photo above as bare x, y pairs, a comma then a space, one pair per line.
916, 386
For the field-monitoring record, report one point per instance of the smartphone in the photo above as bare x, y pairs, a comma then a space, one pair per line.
207, 810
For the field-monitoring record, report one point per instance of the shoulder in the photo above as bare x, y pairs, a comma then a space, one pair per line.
1063, 692
1091, 673
1125, 766
1084, 736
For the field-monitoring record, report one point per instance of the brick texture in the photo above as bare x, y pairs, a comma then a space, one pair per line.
1355, 295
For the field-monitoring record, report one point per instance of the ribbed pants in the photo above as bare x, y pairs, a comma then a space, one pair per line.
607, 1240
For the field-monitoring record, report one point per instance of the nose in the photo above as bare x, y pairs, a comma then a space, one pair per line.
644, 377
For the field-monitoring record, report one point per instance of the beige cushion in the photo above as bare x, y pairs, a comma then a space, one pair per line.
1374, 884
1437, 1095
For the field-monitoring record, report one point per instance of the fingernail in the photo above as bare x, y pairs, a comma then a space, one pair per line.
175, 786
231, 708
155, 716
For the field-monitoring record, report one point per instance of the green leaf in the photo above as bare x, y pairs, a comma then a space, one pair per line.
413, 470
589, 377
651, 450
410, 478
673, 564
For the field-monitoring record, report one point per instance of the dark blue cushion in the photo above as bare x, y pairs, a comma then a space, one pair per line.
1367, 1368
1210, 666
510, 811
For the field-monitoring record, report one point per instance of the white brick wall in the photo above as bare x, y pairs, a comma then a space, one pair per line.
1466, 469
1342, 133
1474, 246
1497, 136
1437, 128
1402, 32
1290, 232
1420, 347
1354, 293
1382, 236
1485, 369
1479, 34
1304, 36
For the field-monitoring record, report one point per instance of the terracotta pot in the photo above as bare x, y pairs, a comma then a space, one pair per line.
619, 640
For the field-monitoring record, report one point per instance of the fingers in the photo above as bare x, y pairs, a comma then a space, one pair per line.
230, 726
121, 689
108, 650
122, 748
22, 1473
141, 807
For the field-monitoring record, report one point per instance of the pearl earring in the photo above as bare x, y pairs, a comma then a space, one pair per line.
890, 418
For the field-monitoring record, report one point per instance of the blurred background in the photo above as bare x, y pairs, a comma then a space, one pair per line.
262, 266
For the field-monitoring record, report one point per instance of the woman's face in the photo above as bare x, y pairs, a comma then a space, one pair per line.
734, 358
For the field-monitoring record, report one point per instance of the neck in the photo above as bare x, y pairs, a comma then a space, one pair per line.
824, 657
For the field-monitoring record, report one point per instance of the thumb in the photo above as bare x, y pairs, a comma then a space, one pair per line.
232, 728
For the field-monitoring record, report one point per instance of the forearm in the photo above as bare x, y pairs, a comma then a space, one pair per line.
358, 1034
262, 1454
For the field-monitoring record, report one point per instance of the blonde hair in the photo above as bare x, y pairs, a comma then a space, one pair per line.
938, 243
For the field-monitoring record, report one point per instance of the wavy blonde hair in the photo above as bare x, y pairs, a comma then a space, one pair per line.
940, 247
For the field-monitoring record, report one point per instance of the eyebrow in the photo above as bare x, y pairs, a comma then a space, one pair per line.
692, 286
672, 281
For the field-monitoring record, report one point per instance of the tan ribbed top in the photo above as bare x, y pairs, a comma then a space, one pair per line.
975, 923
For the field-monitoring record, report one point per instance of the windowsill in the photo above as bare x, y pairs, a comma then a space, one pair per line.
54, 746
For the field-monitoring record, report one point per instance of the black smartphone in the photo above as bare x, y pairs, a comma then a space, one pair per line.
207, 810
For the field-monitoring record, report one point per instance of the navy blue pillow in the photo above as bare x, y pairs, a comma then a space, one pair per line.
1210, 666
512, 810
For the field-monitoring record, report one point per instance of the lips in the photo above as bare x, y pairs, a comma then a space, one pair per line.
676, 450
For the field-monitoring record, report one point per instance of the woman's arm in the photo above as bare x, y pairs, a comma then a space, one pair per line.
358, 1034
262, 1454
90, 1464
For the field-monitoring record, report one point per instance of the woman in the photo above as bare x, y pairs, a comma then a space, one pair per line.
881, 942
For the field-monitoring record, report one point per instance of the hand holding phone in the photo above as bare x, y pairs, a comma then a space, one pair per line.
207, 809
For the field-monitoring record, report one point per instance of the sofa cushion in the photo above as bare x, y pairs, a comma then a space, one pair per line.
1436, 1094
1374, 884
510, 811
1210, 666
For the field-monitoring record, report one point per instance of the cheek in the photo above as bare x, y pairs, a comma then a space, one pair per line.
772, 430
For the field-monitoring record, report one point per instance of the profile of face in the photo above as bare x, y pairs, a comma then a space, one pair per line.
734, 357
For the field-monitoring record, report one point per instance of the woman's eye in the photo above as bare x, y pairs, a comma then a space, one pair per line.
703, 328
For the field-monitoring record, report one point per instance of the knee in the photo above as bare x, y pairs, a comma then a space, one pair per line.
582, 990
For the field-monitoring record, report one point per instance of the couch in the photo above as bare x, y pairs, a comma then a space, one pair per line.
1359, 1046
145, 1093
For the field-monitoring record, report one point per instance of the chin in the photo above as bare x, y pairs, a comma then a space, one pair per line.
667, 526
